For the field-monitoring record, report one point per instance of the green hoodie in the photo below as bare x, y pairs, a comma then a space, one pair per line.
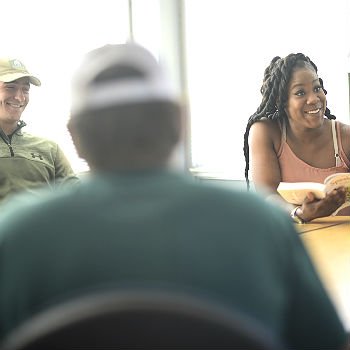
28, 162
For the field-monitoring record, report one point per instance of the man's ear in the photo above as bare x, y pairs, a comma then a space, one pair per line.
72, 128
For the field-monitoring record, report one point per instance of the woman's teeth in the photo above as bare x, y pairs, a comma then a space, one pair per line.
314, 111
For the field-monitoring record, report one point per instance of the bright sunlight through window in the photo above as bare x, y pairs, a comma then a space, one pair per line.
50, 37
230, 43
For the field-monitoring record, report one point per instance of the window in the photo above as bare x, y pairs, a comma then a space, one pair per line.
229, 44
50, 37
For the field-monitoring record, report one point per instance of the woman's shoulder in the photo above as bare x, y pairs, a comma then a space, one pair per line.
344, 128
267, 125
345, 136
268, 130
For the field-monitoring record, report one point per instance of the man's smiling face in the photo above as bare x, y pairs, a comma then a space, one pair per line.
14, 97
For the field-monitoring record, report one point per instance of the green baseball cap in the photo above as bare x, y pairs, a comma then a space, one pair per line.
13, 69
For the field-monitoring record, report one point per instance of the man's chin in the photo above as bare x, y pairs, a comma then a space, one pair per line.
14, 118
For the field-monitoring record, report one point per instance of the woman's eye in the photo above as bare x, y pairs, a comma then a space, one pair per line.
318, 88
300, 93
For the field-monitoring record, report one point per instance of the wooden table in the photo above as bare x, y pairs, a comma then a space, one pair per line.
328, 242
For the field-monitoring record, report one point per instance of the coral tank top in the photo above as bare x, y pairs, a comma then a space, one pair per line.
293, 169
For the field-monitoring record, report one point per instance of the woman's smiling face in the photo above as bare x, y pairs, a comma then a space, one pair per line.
306, 102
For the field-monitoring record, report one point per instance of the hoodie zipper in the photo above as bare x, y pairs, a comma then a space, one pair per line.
7, 140
10, 148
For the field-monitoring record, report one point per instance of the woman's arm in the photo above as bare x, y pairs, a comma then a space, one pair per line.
264, 142
263, 148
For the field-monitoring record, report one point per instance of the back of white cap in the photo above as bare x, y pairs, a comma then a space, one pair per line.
98, 85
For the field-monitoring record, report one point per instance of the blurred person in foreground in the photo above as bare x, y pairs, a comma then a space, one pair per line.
135, 221
27, 162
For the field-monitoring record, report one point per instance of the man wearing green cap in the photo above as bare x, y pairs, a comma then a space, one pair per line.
27, 162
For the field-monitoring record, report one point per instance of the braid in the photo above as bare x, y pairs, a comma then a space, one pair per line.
274, 92
327, 113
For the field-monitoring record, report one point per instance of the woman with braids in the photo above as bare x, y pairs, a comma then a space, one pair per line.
293, 137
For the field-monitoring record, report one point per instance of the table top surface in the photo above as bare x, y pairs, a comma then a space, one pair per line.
328, 243
325, 223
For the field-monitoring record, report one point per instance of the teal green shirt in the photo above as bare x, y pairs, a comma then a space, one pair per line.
164, 229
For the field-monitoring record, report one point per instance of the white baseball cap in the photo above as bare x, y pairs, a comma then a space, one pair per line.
98, 82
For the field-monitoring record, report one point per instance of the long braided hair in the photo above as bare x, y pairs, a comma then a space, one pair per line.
274, 92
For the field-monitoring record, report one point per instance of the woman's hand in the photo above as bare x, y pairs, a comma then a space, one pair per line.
313, 208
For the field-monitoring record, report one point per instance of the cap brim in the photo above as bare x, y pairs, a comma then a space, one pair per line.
7, 78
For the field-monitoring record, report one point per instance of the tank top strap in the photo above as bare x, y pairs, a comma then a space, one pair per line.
284, 131
338, 161
282, 127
